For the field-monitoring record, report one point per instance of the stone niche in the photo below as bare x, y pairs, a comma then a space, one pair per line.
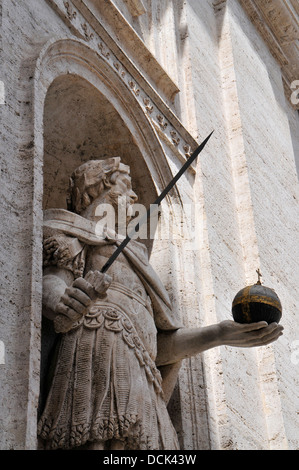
86, 107
80, 124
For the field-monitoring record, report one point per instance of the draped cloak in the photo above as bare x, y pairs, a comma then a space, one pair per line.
86, 233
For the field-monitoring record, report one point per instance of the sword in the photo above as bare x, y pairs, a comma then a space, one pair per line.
154, 206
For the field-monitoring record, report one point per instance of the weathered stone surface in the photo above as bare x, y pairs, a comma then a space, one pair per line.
204, 65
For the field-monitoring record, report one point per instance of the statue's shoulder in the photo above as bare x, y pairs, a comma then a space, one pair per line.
73, 225
61, 246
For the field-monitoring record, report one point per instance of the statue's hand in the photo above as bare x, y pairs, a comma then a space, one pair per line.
73, 304
76, 299
99, 281
246, 335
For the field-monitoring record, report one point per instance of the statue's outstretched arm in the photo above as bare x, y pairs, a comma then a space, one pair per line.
187, 342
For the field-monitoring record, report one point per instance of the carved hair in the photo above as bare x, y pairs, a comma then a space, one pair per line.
89, 180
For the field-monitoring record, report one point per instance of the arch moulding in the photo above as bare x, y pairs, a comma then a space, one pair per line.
75, 57
151, 131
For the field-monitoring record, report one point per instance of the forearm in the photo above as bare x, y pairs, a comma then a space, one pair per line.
55, 282
185, 342
53, 289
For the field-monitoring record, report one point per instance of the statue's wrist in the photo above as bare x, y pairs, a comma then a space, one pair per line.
62, 324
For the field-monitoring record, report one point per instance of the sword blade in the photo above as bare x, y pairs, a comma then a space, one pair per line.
155, 204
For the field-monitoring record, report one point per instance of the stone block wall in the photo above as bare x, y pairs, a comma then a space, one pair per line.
25, 27
197, 66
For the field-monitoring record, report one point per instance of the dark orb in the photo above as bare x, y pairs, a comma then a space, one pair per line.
256, 303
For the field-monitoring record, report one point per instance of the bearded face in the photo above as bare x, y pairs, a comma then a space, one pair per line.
102, 182
122, 197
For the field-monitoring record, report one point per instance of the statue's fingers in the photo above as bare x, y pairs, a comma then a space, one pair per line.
67, 312
85, 286
248, 327
79, 295
269, 338
73, 304
265, 335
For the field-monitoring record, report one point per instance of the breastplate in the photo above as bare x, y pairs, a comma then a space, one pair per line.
127, 293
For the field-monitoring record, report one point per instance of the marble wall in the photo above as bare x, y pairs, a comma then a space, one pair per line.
149, 80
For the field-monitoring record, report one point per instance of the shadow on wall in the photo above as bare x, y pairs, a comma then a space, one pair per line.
80, 124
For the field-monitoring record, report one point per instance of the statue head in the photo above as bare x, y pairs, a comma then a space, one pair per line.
94, 178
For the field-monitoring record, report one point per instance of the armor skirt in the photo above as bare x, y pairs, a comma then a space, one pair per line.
106, 386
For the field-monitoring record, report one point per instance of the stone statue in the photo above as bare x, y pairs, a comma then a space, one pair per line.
120, 343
